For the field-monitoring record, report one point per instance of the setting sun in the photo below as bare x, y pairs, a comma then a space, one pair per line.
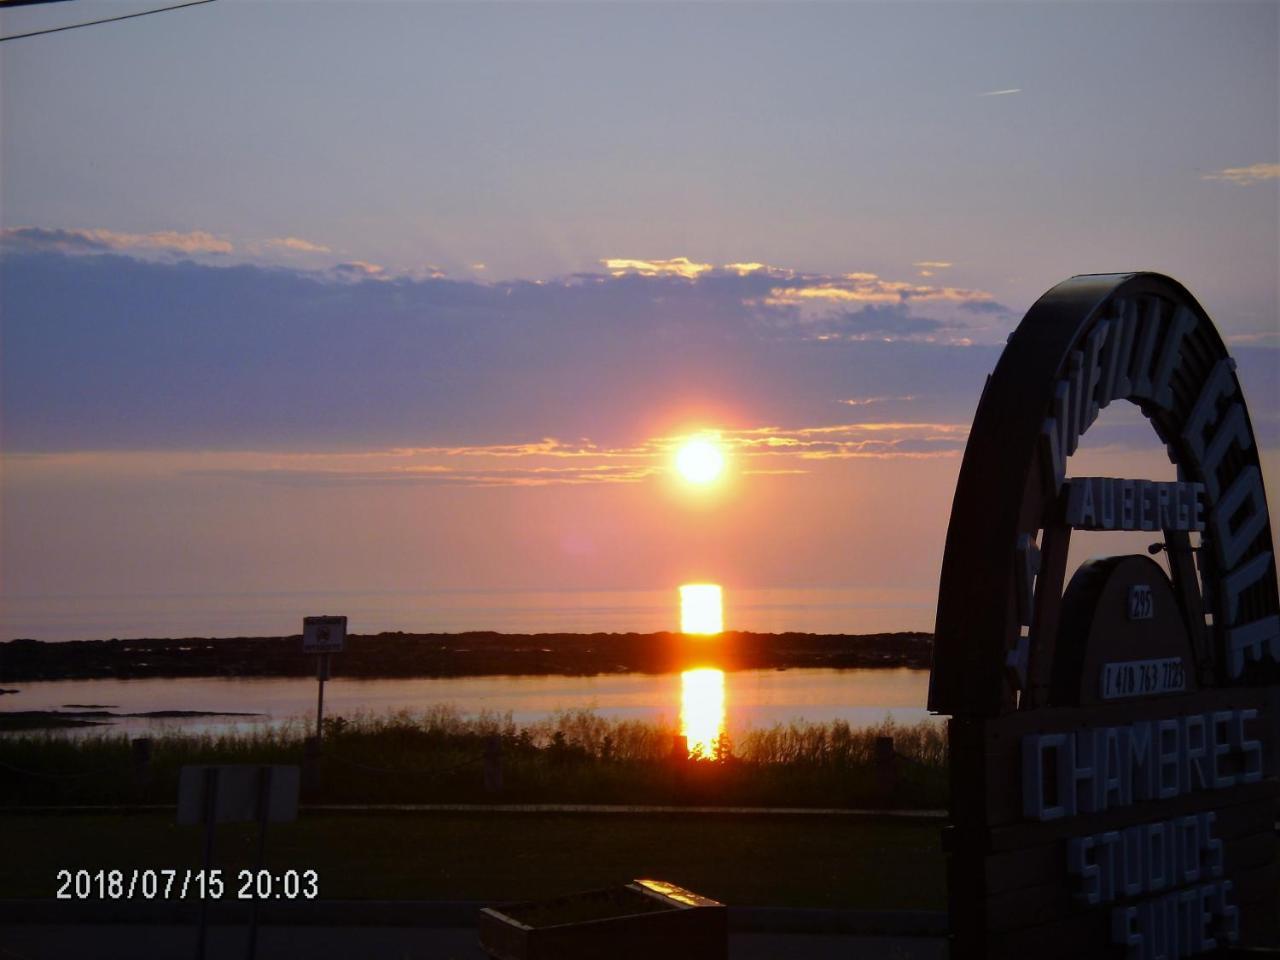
700, 608
700, 460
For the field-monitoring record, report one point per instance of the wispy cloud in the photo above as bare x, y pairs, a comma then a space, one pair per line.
99, 241
1001, 93
871, 440
1244, 176
675, 267
870, 401
295, 245
359, 269
869, 288
927, 268
437, 476
772, 451
1260, 337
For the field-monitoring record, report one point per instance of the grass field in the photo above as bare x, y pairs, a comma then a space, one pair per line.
811, 861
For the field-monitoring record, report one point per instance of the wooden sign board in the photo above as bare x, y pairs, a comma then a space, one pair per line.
1115, 744
324, 634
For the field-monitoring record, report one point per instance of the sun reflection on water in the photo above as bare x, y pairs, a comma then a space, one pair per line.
702, 710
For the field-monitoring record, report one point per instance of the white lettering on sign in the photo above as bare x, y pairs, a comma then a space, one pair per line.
1106, 503
1250, 640
1133, 355
1141, 604
1175, 865
1179, 924
1145, 858
1230, 540
1142, 678
1219, 385
1183, 322
1102, 768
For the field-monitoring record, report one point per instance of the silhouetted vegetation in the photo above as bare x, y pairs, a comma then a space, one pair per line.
439, 756
456, 655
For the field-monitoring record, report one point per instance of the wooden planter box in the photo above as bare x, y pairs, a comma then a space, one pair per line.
642, 919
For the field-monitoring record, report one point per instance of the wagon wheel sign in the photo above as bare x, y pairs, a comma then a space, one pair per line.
1113, 738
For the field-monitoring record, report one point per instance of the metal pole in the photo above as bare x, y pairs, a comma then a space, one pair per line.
322, 672
210, 823
264, 802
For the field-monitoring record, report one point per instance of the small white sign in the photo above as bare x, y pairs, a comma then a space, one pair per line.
1141, 604
1143, 678
324, 634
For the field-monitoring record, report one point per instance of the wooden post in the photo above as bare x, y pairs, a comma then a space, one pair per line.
679, 748
264, 808
886, 768
141, 763
493, 765
311, 766
210, 824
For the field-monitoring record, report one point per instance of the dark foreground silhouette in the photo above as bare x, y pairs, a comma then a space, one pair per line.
459, 654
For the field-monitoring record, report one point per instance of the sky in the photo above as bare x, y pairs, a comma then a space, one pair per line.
305, 301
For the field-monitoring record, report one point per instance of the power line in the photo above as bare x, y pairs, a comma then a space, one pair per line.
94, 23
5, 4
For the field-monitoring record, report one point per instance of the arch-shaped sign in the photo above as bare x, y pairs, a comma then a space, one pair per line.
1086, 343
1114, 747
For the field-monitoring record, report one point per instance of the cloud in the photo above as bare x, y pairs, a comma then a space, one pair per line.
1001, 93
359, 269
98, 240
929, 267
30, 239
870, 440
1245, 176
753, 451
436, 477
1259, 337
760, 269
871, 289
234, 357
675, 267
880, 321
869, 401
295, 245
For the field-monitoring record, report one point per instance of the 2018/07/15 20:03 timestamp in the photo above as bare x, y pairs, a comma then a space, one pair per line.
179, 884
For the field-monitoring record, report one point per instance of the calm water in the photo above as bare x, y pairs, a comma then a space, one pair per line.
702, 701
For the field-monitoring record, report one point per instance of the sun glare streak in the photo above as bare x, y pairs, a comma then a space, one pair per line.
701, 608
702, 710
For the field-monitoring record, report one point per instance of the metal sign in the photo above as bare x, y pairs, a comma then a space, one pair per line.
324, 634
1113, 745
235, 793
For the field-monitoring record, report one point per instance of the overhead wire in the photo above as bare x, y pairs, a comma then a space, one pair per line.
94, 23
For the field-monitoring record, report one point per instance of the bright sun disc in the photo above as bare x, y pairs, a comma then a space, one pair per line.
700, 461
701, 610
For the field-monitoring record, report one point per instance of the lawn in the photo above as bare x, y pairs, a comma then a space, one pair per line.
785, 861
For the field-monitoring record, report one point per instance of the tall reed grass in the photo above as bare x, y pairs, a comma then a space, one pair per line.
438, 755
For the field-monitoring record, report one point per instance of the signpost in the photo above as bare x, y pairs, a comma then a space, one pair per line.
226, 793
323, 636
1114, 746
